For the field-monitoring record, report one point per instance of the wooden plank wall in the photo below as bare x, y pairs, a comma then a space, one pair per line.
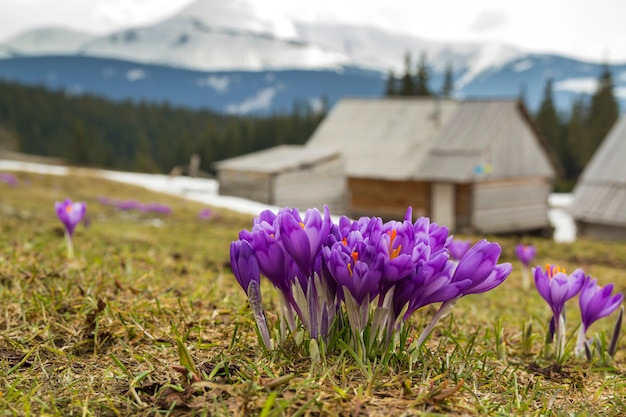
514, 205
601, 231
313, 186
388, 199
463, 207
251, 185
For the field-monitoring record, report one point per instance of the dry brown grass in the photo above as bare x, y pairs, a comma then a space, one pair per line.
103, 334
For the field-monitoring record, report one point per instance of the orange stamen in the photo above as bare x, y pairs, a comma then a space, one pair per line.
344, 241
355, 257
68, 208
302, 225
552, 270
393, 252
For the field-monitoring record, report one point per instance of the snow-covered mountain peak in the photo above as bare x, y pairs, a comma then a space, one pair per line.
47, 41
239, 15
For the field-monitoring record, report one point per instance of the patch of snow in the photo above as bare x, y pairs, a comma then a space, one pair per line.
217, 83
48, 41
136, 74
560, 217
522, 66
7, 165
239, 15
262, 100
585, 85
620, 92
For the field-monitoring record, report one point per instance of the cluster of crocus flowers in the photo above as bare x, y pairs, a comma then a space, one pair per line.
557, 287
364, 274
525, 253
8, 179
70, 214
129, 205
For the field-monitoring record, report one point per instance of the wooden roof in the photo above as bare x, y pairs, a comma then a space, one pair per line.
434, 139
281, 158
418, 138
600, 194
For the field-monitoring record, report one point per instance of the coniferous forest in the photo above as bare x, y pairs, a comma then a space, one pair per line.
90, 131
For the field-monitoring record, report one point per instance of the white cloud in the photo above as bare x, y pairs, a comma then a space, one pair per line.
136, 74
261, 101
488, 20
585, 85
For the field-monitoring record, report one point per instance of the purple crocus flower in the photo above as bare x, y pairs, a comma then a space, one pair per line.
525, 253
397, 241
597, 302
205, 214
8, 178
357, 268
477, 272
70, 214
303, 239
556, 287
479, 265
244, 264
246, 269
458, 248
429, 283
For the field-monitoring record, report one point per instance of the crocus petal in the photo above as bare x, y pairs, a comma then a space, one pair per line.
596, 302
497, 277
244, 264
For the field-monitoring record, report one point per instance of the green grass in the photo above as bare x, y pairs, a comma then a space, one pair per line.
107, 332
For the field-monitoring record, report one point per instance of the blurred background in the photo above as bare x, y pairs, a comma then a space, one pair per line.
144, 85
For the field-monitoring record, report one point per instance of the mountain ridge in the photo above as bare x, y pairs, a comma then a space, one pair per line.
228, 41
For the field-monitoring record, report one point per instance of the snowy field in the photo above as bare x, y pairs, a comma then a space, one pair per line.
206, 191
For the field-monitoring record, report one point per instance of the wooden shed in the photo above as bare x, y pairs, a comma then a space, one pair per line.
599, 203
474, 165
287, 176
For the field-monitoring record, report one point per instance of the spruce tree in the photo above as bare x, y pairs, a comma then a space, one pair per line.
390, 86
603, 111
547, 121
448, 81
422, 78
580, 147
407, 88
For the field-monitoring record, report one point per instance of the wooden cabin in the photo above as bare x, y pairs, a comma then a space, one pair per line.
599, 203
286, 176
474, 165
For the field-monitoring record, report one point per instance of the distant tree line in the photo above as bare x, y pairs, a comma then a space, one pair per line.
573, 138
91, 131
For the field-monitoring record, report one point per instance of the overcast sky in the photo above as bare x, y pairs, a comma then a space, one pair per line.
594, 30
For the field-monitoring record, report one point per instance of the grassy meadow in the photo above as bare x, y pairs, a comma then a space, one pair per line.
147, 296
